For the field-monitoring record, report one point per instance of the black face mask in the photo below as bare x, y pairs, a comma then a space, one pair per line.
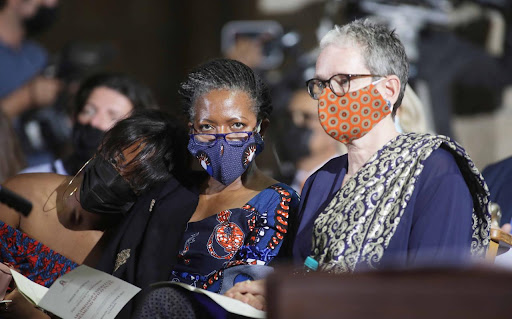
295, 143
86, 140
42, 20
104, 190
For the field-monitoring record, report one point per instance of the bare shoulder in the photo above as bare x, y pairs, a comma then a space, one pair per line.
35, 187
33, 183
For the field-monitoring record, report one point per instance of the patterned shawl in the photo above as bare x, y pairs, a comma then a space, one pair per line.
359, 222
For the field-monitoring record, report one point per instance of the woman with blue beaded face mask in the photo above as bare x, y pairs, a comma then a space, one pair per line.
240, 221
242, 214
228, 108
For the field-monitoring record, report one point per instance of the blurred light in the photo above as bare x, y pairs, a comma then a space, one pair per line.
283, 6
290, 39
308, 73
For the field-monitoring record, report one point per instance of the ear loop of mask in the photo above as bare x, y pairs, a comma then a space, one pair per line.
377, 81
75, 183
257, 129
72, 188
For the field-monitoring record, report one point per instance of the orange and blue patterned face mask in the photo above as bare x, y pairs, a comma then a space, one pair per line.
353, 115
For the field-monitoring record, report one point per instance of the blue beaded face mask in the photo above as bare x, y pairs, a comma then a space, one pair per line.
225, 156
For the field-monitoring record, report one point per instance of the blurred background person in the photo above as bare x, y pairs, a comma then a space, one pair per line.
412, 116
303, 140
100, 102
12, 159
22, 86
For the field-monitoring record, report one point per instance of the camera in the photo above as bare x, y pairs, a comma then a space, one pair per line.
266, 35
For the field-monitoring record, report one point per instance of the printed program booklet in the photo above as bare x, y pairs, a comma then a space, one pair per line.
82, 293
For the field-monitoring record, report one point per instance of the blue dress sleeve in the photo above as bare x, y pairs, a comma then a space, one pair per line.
270, 227
498, 177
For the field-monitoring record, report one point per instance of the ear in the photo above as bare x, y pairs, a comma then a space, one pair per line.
264, 126
391, 88
190, 127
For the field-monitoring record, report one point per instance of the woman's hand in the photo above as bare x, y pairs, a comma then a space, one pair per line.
20, 307
250, 292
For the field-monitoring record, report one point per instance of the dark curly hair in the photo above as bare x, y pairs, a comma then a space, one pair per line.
226, 74
160, 141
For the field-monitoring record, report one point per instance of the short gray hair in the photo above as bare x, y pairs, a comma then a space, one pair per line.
383, 52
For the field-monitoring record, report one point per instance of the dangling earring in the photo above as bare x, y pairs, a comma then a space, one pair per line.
389, 105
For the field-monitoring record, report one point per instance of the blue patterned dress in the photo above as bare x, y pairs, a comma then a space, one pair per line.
249, 235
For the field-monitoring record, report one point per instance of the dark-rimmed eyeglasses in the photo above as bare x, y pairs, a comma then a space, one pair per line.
338, 83
233, 139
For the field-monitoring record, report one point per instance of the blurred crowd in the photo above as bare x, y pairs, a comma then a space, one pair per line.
38, 89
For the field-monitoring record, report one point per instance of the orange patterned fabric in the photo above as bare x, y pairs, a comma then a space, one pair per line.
353, 115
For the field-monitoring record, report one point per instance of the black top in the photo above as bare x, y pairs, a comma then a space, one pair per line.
145, 244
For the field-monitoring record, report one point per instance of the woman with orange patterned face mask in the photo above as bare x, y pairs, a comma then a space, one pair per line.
394, 199
380, 192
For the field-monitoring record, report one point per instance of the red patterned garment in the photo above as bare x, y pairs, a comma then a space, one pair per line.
31, 258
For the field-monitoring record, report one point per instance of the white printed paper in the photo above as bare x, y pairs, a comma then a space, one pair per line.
83, 293
32, 291
230, 304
